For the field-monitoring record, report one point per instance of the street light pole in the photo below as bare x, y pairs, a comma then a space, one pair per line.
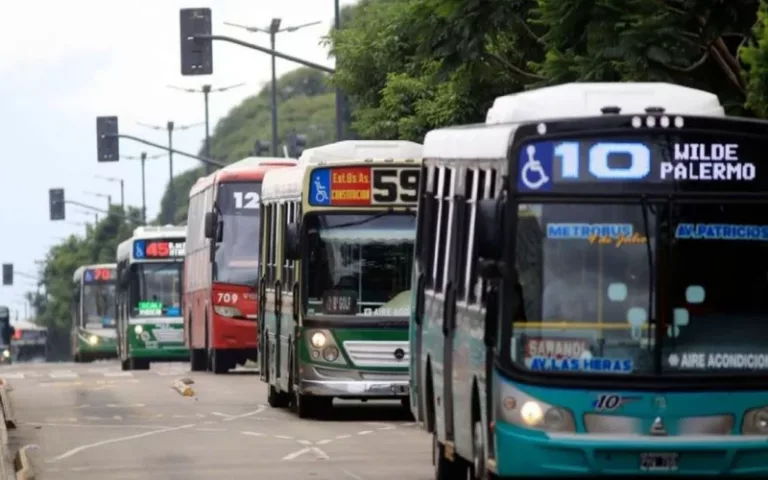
206, 90
340, 113
143, 159
122, 188
170, 127
273, 30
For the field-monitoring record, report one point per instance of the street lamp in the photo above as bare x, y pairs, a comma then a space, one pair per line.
273, 30
206, 90
122, 187
143, 157
101, 195
170, 126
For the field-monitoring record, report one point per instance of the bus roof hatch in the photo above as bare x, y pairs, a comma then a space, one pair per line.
361, 150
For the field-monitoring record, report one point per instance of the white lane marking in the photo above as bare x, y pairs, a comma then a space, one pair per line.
351, 474
125, 405
365, 432
81, 448
63, 374
118, 374
99, 370
410, 424
342, 437
117, 417
211, 429
90, 425
245, 415
14, 376
284, 437
34, 374
253, 434
219, 414
306, 443
170, 374
324, 442
321, 455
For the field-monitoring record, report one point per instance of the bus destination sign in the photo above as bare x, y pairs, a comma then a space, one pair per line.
364, 186
98, 275
157, 249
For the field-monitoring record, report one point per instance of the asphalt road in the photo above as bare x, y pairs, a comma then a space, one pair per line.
93, 421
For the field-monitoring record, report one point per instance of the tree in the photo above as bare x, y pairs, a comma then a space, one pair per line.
305, 104
53, 300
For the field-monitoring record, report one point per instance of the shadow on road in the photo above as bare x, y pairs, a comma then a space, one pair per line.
371, 411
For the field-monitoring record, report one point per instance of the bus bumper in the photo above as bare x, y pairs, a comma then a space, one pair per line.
525, 453
395, 388
166, 353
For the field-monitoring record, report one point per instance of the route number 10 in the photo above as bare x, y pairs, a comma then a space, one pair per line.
597, 158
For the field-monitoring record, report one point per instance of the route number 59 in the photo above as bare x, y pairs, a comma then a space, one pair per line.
393, 185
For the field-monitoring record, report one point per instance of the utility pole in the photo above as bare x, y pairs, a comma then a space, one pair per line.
169, 127
143, 157
340, 110
101, 195
122, 187
273, 30
206, 90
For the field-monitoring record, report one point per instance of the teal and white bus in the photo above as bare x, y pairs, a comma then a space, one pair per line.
593, 265
149, 269
93, 333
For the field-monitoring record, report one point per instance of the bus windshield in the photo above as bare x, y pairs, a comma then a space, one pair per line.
360, 264
99, 305
157, 290
719, 281
585, 279
237, 255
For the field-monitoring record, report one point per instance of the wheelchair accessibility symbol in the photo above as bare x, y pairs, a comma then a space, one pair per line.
532, 173
321, 193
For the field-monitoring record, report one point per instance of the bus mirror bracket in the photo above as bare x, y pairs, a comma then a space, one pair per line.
291, 241
210, 224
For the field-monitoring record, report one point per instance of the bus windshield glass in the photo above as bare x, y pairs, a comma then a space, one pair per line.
719, 280
99, 305
588, 271
584, 278
156, 290
237, 255
360, 264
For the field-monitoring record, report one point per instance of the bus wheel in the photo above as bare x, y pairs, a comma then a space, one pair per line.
139, 364
76, 358
478, 470
219, 361
276, 399
125, 365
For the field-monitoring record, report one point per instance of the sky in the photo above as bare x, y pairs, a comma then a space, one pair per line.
62, 64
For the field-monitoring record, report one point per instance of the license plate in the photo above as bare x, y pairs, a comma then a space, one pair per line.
399, 389
658, 462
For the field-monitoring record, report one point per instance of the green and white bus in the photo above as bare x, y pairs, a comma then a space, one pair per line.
336, 260
93, 312
149, 321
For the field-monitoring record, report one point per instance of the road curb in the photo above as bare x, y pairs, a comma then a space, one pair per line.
182, 385
23, 465
9, 412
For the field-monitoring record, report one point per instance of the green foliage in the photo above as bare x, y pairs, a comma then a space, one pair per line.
52, 301
413, 65
305, 104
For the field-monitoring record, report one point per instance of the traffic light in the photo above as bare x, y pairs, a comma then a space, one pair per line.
107, 140
259, 147
56, 203
296, 144
7, 274
196, 54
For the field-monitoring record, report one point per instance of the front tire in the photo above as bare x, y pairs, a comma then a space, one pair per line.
446, 469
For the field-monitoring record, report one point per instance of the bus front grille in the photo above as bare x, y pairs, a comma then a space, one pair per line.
169, 335
377, 353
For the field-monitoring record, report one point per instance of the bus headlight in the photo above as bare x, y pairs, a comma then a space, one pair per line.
225, 311
93, 340
331, 353
138, 329
518, 408
318, 339
755, 422
6, 353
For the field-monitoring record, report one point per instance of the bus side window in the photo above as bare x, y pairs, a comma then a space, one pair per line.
481, 190
269, 260
444, 192
427, 213
288, 280
467, 227
284, 213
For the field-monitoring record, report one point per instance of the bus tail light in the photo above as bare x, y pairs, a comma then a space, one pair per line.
225, 311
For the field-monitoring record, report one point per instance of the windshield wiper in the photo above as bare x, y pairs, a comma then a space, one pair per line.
360, 222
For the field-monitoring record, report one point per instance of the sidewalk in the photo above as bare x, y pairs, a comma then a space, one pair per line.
14, 465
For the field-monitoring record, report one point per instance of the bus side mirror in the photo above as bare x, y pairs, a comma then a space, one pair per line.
211, 222
291, 241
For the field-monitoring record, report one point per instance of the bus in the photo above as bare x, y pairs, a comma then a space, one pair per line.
334, 293
93, 333
584, 307
29, 343
149, 322
222, 265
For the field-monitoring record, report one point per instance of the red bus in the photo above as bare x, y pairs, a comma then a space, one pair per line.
221, 265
